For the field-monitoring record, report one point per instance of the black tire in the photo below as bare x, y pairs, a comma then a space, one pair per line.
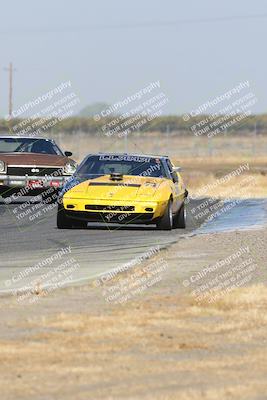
63, 222
79, 224
179, 220
5, 193
166, 222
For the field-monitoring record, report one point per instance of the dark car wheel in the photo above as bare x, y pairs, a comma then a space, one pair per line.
63, 222
166, 222
179, 220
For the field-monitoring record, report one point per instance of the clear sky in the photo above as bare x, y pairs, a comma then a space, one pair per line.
110, 49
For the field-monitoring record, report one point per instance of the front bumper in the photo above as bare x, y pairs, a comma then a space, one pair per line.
29, 185
117, 211
37, 181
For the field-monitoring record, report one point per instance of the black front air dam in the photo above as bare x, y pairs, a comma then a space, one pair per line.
121, 218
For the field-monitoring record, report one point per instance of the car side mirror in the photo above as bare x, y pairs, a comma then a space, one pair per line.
174, 177
68, 153
177, 169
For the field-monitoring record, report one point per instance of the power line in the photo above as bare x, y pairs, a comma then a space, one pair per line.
146, 24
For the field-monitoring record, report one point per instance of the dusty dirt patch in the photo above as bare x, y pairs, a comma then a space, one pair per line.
161, 345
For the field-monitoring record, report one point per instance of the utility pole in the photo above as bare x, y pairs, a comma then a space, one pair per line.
255, 132
10, 90
126, 142
10, 70
168, 139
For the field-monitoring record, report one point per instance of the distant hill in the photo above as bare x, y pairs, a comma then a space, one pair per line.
91, 110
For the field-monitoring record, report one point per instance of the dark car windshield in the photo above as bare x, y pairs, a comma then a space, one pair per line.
100, 165
28, 145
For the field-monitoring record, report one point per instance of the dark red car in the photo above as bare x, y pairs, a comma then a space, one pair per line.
30, 166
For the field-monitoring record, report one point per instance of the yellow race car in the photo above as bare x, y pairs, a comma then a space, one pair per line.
124, 189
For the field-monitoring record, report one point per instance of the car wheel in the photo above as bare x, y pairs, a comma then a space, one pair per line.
63, 222
179, 221
166, 222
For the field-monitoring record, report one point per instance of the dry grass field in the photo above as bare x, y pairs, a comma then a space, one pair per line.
203, 161
162, 345
164, 348
176, 147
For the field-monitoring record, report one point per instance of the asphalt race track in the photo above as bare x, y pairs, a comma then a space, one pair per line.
99, 248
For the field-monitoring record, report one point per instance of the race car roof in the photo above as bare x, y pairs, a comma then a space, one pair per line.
131, 154
24, 137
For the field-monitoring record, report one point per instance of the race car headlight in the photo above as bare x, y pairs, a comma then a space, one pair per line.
2, 167
70, 168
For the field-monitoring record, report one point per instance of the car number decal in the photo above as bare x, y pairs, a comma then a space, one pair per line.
124, 158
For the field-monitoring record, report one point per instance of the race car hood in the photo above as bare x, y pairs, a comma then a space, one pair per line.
130, 187
36, 159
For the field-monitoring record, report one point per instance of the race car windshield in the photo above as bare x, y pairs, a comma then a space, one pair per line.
28, 145
95, 166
